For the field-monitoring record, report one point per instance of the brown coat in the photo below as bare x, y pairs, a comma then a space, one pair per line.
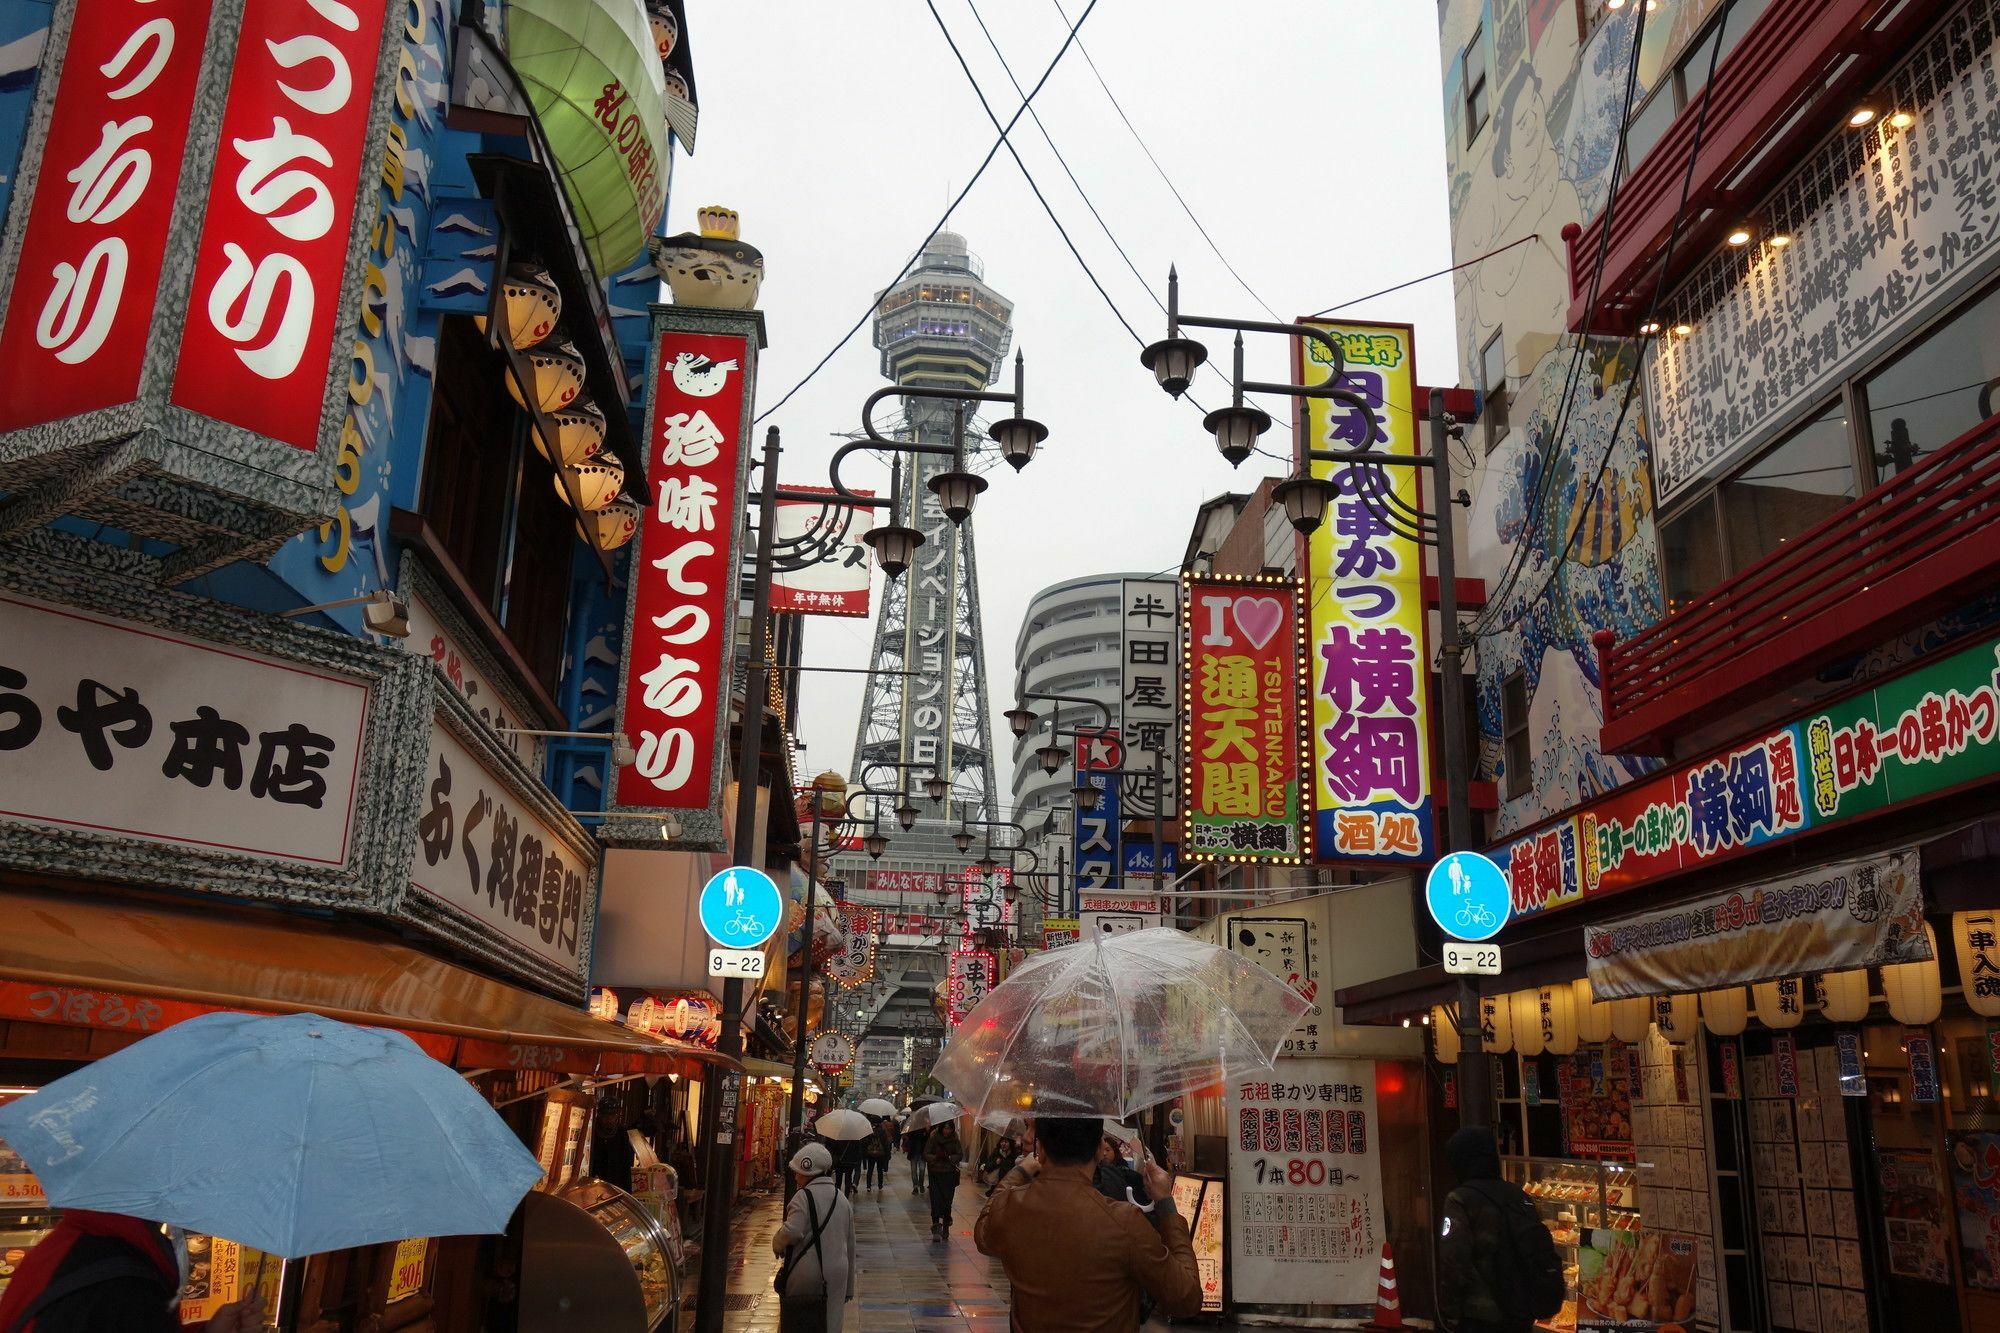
1076, 1260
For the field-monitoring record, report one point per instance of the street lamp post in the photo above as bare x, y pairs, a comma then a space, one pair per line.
1306, 499
829, 800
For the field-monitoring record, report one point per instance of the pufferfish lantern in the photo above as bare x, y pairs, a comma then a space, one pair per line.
711, 267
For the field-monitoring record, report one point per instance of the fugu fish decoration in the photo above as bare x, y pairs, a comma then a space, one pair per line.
710, 267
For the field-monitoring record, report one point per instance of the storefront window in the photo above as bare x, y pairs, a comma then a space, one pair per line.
1691, 554
1793, 486
1938, 389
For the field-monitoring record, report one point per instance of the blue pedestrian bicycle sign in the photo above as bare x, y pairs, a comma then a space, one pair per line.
741, 908
1468, 896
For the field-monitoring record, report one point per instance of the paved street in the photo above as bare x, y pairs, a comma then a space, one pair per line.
908, 1284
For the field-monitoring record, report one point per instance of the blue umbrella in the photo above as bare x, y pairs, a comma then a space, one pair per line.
294, 1135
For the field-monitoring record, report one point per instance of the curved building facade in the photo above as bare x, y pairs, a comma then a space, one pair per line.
1068, 644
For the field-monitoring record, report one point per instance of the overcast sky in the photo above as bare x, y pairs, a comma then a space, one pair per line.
1305, 135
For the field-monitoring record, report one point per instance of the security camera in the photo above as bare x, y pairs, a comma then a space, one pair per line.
387, 614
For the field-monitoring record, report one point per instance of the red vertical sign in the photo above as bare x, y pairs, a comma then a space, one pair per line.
1242, 744
273, 246
684, 586
88, 276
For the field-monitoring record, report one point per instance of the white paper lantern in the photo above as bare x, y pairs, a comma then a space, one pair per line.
532, 305
616, 524
558, 374
1496, 1023
1975, 938
1526, 1006
1674, 1015
1444, 1036
1630, 1019
1558, 1015
1781, 1003
1843, 996
1593, 1016
597, 483
1913, 989
1725, 1012
579, 432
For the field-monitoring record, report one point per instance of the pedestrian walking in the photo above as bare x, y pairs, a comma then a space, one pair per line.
875, 1155
846, 1165
942, 1154
1497, 1266
109, 1273
913, 1147
1078, 1262
816, 1280
1114, 1179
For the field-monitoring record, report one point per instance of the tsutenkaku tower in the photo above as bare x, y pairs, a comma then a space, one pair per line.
940, 327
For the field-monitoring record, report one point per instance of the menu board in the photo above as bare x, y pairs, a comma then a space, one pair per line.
221, 1271
1669, 1135
1913, 1214
1201, 1202
1595, 1090
1806, 1216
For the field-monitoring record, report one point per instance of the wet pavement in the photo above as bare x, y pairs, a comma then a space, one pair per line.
908, 1283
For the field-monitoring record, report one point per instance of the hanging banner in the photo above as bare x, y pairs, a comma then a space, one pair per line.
1149, 652
1094, 843
983, 895
855, 961
1305, 1218
680, 630
973, 973
819, 564
1863, 913
1369, 666
1242, 707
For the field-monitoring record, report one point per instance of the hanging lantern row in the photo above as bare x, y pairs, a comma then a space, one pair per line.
556, 377
1558, 1018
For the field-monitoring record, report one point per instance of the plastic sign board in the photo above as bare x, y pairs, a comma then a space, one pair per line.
1468, 896
736, 962
832, 1051
1470, 960
741, 908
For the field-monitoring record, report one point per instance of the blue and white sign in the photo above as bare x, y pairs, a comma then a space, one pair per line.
741, 908
1468, 896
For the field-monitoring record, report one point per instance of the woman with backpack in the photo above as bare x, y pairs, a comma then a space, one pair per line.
876, 1151
1498, 1271
816, 1280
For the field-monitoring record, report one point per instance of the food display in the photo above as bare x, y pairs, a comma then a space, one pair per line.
1591, 1211
1646, 1277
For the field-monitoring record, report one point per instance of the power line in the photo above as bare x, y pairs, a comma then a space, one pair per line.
1028, 176
1137, 138
1532, 236
909, 263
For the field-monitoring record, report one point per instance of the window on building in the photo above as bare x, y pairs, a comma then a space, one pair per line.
1472, 69
1650, 124
1790, 487
1938, 389
1681, 86
1494, 395
1691, 553
1517, 756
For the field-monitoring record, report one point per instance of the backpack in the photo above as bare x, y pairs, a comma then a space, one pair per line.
1530, 1285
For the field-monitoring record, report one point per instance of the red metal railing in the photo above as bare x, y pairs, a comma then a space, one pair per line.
1781, 64
1895, 558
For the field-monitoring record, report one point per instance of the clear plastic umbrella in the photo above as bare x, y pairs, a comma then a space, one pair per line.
843, 1126
1115, 1024
879, 1107
936, 1113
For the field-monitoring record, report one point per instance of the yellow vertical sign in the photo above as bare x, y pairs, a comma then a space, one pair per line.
1369, 663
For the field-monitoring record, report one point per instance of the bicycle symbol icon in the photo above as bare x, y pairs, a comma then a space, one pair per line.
1475, 916
742, 924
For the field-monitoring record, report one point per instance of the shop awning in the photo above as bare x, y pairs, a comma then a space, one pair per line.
136, 967
592, 71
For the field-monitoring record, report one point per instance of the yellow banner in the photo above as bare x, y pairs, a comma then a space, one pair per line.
1370, 661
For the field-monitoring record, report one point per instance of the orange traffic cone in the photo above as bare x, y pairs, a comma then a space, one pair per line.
1388, 1304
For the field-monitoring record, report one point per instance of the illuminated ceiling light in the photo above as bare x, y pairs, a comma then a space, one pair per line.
596, 483
1614, 4
1902, 120
1683, 329
1778, 240
1861, 116
579, 432
532, 305
1740, 236
1649, 328
557, 372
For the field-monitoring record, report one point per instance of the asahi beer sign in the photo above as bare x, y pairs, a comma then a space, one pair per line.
124, 729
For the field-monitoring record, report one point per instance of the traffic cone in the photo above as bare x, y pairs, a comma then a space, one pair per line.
1388, 1304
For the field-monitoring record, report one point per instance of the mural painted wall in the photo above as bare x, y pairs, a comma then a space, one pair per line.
1561, 521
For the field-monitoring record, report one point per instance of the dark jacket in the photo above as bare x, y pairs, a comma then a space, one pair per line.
123, 1271
914, 1141
942, 1151
1489, 1226
1114, 1178
877, 1146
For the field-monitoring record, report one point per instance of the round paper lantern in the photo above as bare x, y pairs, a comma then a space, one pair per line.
1913, 989
1674, 1015
1843, 996
1725, 1012
1975, 938
1593, 1016
556, 371
579, 433
616, 524
1526, 1008
532, 302
1444, 1036
597, 483
1781, 1003
1496, 1021
1630, 1019
1558, 1017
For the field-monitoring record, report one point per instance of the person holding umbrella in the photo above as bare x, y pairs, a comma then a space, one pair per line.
942, 1154
109, 1273
876, 1150
915, 1136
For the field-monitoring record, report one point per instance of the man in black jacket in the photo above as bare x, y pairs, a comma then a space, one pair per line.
1497, 1265
106, 1273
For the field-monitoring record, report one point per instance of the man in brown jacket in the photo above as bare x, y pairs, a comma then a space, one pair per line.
1076, 1260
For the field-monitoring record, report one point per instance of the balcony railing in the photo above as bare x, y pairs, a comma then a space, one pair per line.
1915, 546
1796, 71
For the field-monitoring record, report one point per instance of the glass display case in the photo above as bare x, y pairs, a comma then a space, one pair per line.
1591, 1208
640, 1236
